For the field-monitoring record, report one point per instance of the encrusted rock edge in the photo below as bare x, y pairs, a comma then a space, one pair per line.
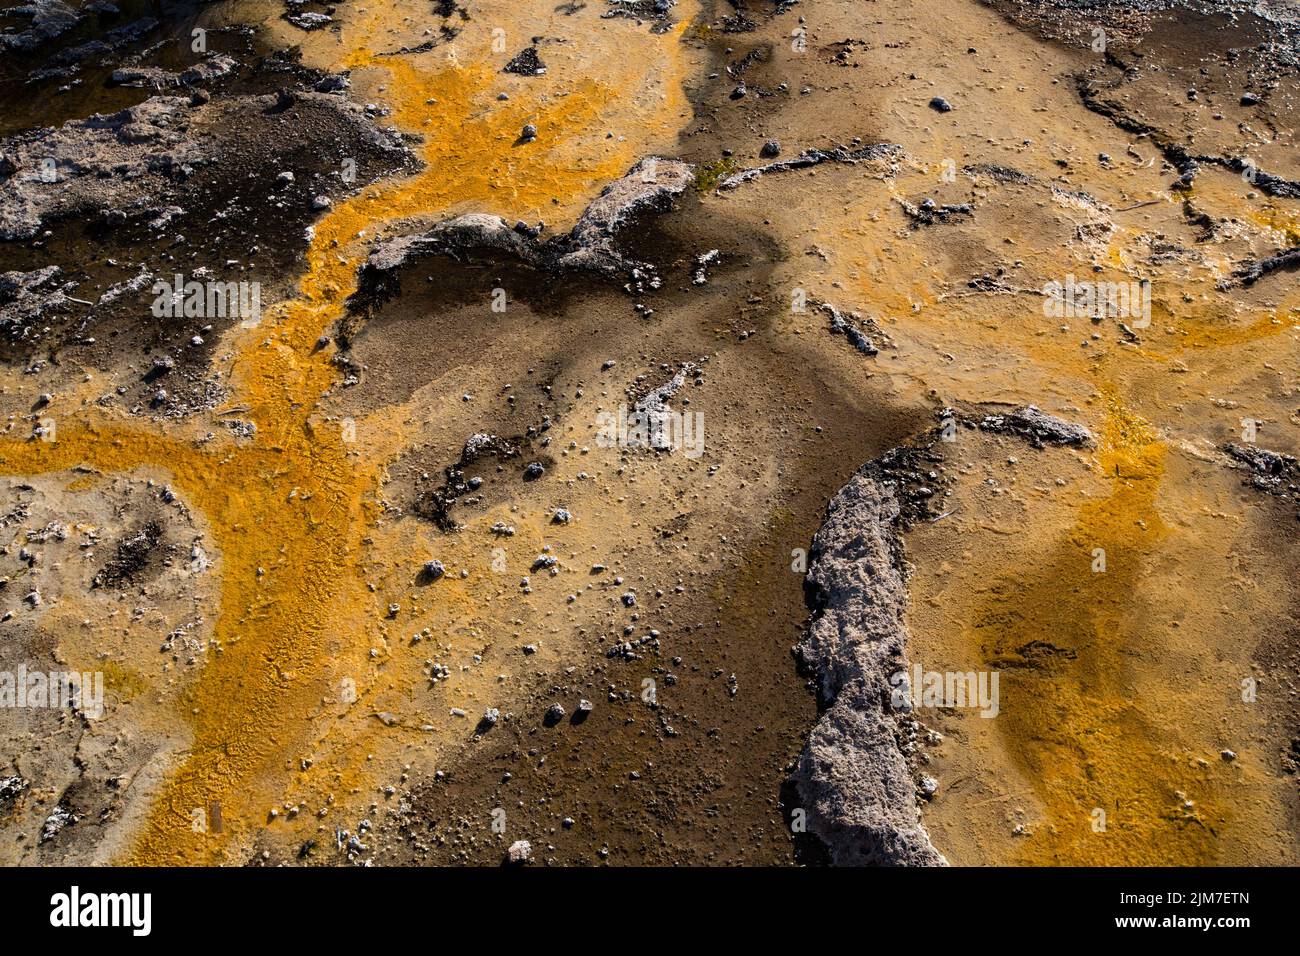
856, 779
853, 778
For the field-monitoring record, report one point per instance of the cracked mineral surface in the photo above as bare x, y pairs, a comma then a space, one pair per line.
644, 433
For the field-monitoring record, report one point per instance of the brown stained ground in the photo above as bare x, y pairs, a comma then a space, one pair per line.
1120, 688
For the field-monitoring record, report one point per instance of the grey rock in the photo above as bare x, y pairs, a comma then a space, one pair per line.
26, 298
59, 818
144, 77
1039, 427
123, 160
847, 326
207, 70
309, 20
334, 83
650, 184
814, 157
853, 779
49, 19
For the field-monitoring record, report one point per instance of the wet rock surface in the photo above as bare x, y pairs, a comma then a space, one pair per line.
132, 158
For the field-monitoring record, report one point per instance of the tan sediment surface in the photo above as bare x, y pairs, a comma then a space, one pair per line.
1139, 684
294, 509
1119, 689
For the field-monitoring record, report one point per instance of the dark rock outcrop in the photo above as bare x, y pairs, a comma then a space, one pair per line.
589, 246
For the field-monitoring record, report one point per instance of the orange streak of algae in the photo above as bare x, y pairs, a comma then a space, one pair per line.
1071, 722
1074, 726
290, 511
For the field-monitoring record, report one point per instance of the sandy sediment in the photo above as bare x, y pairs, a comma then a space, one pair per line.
494, 269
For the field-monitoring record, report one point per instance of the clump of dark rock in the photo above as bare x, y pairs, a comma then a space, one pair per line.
48, 19
59, 818
436, 504
309, 20
131, 557
1270, 471
927, 212
639, 9
1250, 272
334, 83
1037, 426
1001, 174
11, 787
526, 63
848, 326
590, 246
1261, 460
